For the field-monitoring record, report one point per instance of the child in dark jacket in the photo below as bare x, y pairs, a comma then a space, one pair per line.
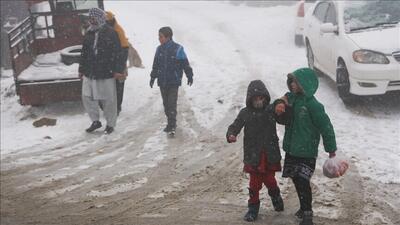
261, 149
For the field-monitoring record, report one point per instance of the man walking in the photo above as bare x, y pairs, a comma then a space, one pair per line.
100, 65
111, 21
169, 63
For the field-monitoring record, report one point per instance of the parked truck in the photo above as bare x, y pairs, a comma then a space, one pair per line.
43, 48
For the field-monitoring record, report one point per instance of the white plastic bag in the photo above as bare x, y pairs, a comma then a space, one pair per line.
335, 167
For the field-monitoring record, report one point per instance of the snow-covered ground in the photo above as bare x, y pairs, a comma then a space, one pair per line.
228, 46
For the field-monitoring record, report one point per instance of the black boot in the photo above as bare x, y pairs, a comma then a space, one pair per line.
95, 125
252, 214
307, 218
299, 214
276, 199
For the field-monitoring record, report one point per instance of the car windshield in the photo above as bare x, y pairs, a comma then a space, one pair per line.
360, 15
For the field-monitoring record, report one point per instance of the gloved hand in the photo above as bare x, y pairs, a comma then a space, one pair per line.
190, 81
332, 154
152, 82
232, 138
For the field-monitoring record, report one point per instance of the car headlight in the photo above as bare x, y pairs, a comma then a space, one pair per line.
370, 57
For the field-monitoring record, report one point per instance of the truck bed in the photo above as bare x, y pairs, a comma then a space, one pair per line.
48, 67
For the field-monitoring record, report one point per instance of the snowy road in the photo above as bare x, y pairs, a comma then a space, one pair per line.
139, 176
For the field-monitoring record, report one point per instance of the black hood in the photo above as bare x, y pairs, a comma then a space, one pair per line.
257, 88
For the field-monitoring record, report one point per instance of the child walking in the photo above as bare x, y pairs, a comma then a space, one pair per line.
305, 121
261, 149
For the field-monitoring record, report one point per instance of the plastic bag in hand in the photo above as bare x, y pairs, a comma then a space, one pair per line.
334, 167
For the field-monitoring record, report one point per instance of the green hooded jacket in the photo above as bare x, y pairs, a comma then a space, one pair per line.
308, 120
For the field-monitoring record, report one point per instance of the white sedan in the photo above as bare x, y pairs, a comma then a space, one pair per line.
357, 44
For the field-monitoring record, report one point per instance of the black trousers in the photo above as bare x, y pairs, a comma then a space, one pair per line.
170, 98
120, 94
303, 189
301, 171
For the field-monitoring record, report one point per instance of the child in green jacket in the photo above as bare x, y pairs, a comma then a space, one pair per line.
305, 121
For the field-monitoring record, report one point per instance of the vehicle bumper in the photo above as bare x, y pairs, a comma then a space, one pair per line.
374, 79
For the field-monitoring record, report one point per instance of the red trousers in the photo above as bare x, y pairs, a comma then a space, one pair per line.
256, 182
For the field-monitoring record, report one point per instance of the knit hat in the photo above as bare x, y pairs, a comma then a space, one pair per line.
99, 16
109, 15
166, 31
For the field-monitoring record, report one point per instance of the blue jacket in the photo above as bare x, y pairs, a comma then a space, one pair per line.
169, 63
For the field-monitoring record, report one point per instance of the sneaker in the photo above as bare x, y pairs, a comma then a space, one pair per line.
95, 125
171, 132
108, 130
167, 129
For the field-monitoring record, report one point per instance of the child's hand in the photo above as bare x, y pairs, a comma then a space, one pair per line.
280, 108
231, 138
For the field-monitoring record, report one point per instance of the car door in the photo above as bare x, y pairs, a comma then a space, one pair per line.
313, 26
328, 43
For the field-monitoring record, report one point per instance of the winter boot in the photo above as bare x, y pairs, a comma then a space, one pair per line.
276, 199
307, 218
95, 125
108, 130
252, 214
299, 214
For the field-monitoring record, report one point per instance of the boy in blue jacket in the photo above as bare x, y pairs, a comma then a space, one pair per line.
169, 63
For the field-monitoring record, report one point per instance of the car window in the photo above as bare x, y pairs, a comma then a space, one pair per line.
320, 11
360, 15
331, 15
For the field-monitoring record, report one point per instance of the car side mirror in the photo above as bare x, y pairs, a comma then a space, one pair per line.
329, 28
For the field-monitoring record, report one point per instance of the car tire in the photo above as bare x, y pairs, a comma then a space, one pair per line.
71, 55
343, 84
298, 40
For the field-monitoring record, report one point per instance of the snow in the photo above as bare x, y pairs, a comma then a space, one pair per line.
227, 48
49, 67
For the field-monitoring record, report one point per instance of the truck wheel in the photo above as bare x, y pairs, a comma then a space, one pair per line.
71, 55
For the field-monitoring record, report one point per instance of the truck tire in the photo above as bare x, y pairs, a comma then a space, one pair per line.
71, 55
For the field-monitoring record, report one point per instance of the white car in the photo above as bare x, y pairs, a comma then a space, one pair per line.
357, 44
301, 8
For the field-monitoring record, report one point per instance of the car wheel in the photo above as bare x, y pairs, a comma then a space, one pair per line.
343, 84
71, 55
298, 40
310, 57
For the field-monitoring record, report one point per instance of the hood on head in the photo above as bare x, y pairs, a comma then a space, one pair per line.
98, 15
306, 79
257, 88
